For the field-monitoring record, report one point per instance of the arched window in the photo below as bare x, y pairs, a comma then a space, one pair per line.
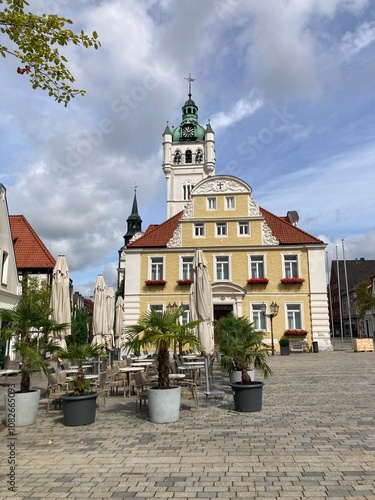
177, 157
199, 156
188, 156
187, 188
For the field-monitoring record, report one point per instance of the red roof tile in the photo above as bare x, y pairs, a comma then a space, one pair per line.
158, 235
30, 251
284, 231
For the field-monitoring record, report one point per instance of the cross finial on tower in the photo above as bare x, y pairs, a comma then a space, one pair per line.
190, 79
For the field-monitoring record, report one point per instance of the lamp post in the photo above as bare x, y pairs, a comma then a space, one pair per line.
274, 310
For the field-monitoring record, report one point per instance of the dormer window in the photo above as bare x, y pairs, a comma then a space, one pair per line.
188, 156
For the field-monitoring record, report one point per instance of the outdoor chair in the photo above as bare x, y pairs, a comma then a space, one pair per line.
55, 390
190, 385
116, 380
141, 384
102, 388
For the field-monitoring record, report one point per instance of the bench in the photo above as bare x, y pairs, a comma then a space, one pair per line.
297, 346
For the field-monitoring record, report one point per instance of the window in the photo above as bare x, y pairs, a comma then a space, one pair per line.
177, 157
294, 316
221, 229
258, 318
157, 268
187, 188
158, 308
199, 156
230, 203
291, 266
199, 229
188, 156
257, 266
187, 268
222, 267
211, 203
185, 317
4, 268
243, 229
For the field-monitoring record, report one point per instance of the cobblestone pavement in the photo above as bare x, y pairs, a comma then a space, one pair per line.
314, 438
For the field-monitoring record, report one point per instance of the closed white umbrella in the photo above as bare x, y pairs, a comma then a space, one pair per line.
119, 326
110, 306
99, 320
60, 299
201, 308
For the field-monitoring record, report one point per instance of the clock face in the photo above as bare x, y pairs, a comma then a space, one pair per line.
188, 131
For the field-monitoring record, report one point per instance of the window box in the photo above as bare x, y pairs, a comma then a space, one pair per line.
185, 282
295, 333
257, 281
155, 282
290, 281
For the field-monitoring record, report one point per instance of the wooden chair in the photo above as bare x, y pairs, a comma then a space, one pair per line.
190, 385
55, 390
116, 380
141, 384
102, 388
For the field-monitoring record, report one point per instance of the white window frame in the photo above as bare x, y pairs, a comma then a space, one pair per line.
211, 203
258, 319
199, 227
186, 267
243, 224
185, 316
156, 269
230, 203
157, 306
255, 271
4, 267
292, 310
187, 188
225, 267
288, 270
221, 229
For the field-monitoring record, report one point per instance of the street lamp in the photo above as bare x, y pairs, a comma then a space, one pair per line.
274, 310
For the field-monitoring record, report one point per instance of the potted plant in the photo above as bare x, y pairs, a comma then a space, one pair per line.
162, 331
284, 346
242, 348
28, 324
79, 407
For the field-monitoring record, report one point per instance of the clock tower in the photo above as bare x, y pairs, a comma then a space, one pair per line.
188, 156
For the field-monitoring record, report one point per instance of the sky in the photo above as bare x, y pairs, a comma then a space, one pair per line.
288, 87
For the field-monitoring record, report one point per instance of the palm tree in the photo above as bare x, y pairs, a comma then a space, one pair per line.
80, 353
29, 323
162, 331
242, 347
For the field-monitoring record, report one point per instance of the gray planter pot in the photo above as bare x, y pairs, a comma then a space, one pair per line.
21, 409
284, 350
164, 404
247, 398
79, 410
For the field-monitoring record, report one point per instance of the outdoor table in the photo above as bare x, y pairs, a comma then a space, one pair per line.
173, 377
130, 369
5, 373
142, 363
88, 377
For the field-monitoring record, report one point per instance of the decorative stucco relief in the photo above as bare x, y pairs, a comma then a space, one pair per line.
268, 237
175, 241
188, 210
221, 186
253, 207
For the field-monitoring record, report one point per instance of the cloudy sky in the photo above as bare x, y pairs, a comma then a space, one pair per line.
288, 86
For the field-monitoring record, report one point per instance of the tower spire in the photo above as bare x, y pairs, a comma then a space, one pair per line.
189, 79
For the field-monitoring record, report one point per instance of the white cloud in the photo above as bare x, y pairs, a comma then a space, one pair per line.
241, 109
354, 42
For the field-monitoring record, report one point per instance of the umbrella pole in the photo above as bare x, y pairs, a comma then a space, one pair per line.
206, 369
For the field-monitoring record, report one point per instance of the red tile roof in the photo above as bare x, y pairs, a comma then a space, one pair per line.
158, 235
30, 251
285, 232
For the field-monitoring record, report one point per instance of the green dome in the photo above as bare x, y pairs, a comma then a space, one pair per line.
189, 117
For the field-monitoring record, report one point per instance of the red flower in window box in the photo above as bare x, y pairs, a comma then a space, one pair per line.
295, 333
257, 281
288, 281
155, 282
185, 282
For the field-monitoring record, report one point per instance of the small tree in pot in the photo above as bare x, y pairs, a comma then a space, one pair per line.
242, 347
162, 331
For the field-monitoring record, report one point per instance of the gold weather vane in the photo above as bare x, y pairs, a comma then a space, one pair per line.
190, 79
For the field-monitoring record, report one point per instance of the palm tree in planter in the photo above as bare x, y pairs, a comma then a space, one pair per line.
79, 407
242, 347
28, 323
162, 331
